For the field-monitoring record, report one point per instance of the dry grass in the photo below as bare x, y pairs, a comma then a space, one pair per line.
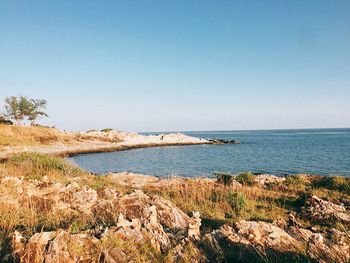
213, 200
216, 202
34, 214
12, 135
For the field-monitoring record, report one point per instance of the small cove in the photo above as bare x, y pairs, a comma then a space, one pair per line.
280, 152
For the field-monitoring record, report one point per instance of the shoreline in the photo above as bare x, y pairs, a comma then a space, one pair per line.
58, 143
76, 150
300, 216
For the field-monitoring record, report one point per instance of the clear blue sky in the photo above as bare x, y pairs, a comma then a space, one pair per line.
180, 65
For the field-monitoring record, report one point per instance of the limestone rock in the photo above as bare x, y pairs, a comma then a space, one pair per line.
251, 241
265, 179
169, 215
194, 225
332, 246
323, 211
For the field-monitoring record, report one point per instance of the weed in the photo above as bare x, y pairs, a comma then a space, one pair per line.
224, 178
294, 180
236, 200
246, 178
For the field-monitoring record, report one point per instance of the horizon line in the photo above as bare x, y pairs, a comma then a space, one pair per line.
273, 129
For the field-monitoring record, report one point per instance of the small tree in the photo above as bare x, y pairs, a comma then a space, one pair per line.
19, 108
36, 110
16, 108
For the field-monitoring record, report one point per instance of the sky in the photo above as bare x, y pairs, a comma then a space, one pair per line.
179, 65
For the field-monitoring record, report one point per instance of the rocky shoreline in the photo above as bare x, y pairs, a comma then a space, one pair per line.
101, 141
52, 211
123, 217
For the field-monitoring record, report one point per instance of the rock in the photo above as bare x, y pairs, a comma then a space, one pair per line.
124, 223
34, 250
222, 141
265, 179
194, 225
169, 215
71, 248
333, 246
137, 226
251, 241
293, 221
260, 241
133, 180
135, 218
322, 211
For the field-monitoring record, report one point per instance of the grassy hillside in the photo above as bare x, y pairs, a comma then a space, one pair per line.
11, 135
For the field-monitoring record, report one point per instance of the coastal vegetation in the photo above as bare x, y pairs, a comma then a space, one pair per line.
47, 197
218, 201
20, 108
13, 135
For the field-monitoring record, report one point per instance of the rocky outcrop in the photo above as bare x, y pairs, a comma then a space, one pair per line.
331, 246
222, 141
251, 241
140, 181
121, 222
134, 180
194, 225
322, 211
266, 179
70, 143
139, 227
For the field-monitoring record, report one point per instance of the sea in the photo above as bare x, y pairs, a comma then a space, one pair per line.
278, 152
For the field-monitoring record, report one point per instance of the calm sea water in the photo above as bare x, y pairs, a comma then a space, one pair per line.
280, 152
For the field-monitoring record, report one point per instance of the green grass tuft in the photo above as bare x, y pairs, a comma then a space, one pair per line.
246, 178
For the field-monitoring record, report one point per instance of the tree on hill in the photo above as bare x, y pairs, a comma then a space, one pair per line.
16, 108
36, 110
19, 108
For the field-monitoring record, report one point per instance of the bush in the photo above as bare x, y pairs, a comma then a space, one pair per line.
107, 130
36, 164
5, 121
224, 178
303, 197
246, 178
339, 183
216, 196
236, 200
294, 180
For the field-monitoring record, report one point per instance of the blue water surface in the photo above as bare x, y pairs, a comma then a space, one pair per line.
280, 152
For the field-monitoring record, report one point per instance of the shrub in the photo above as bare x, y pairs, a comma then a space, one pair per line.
107, 130
216, 196
79, 226
5, 121
37, 164
294, 180
303, 197
246, 178
224, 178
236, 200
339, 183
